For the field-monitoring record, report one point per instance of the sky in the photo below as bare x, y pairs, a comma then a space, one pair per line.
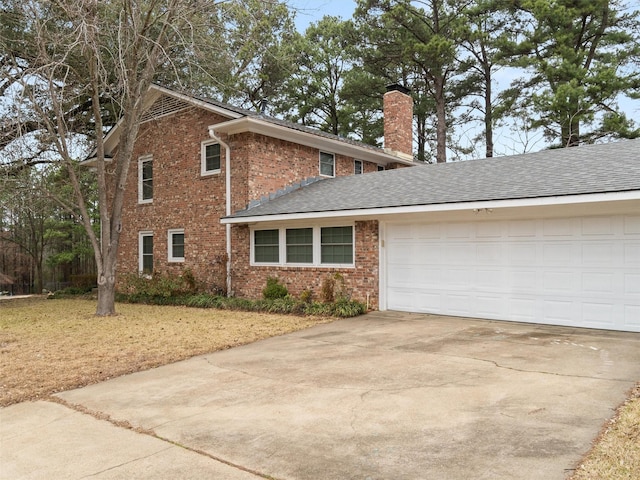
309, 11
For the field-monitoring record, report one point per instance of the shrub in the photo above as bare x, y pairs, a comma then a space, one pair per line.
274, 289
334, 288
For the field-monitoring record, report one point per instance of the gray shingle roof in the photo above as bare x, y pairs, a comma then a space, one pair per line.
612, 167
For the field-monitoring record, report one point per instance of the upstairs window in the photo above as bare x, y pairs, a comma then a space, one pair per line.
210, 158
175, 245
357, 167
145, 179
327, 164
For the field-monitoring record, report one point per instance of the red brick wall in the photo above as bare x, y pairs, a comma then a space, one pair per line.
363, 280
183, 199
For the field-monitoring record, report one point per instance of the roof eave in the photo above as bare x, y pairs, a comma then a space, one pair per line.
337, 146
633, 195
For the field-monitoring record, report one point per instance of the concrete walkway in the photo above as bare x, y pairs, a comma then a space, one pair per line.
383, 396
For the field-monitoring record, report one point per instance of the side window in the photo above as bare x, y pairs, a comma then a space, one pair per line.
175, 245
327, 164
357, 167
266, 246
210, 158
299, 245
336, 245
145, 179
145, 248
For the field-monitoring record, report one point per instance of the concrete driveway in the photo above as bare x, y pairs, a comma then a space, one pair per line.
384, 396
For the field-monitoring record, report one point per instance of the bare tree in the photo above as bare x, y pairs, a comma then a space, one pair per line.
79, 51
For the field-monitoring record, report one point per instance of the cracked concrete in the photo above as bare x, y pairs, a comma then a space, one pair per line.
386, 395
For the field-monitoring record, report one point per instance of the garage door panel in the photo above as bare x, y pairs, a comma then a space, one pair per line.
575, 272
521, 309
559, 281
560, 254
632, 283
599, 315
632, 316
598, 282
558, 227
598, 226
599, 253
522, 280
632, 224
632, 253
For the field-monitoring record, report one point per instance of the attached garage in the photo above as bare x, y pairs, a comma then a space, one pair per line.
575, 271
551, 237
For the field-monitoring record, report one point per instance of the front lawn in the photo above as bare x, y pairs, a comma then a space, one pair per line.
47, 346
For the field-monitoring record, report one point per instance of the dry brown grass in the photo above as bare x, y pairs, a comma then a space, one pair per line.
48, 346
616, 454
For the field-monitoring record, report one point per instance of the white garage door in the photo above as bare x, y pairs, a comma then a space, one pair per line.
562, 271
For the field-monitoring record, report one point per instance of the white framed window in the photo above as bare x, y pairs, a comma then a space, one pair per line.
145, 252
327, 164
318, 245
145, 179
209, 158
175, 245
357, 167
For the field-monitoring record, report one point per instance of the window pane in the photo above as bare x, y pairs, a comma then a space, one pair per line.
300, 245
266, 246
177, 245
266, 237
147, 180
327, 164
212, 159
357, 167
147, 253
336, 245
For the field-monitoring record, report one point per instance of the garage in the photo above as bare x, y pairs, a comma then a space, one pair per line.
572, 271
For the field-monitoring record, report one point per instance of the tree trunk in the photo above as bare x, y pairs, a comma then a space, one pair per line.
488, 112
441, 120
106, 295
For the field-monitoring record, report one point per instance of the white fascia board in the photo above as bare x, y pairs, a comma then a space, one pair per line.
330, 145
596, 198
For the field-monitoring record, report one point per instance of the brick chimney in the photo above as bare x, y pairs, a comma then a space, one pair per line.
398, 121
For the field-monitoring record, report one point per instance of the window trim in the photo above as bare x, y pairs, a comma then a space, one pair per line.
333, 166
141, 161
141, 235
355, 167
316, 246
170, 233
203, 158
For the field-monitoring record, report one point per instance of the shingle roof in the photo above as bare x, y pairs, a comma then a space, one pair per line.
285, 123
612, 167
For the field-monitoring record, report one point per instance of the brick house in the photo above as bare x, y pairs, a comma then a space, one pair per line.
197, 160
551, 237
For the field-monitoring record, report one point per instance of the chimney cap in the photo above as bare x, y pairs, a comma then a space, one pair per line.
397, 87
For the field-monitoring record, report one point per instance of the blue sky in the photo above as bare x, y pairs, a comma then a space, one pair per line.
308, 11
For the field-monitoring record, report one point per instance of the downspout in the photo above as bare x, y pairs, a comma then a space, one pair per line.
227, 173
